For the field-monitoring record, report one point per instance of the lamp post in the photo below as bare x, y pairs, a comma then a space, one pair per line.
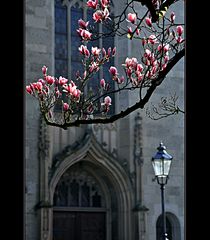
161, 163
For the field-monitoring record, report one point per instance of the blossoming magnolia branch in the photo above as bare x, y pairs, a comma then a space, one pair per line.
162, 47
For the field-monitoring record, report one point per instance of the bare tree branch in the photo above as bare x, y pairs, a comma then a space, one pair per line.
165, 108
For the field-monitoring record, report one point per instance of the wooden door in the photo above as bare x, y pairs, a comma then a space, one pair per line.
79, 225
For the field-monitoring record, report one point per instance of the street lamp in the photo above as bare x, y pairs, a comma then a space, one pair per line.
161, 163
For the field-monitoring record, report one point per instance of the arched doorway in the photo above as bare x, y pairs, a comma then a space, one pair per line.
113, 184
172, 227
81, 208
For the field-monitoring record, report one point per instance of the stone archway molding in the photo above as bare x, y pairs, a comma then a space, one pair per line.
91, 151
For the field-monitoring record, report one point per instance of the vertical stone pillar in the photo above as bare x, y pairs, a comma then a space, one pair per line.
44, 205
139, 209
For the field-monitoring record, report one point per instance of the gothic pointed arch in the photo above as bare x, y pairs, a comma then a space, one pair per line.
112, 178
172, 227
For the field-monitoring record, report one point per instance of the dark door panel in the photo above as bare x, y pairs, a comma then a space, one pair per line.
79, 225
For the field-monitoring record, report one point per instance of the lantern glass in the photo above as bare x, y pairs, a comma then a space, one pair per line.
161, 167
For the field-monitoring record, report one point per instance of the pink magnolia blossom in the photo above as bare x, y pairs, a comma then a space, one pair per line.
160, 47
179, 39
113, 51
152, 39
29, 90
83, 50
98, 16
139, 67
109, 51
101, 15
166, 58
107, 101
82, 24
131, 17
104, 4
84, 34
154, 70
103, 52
44, 70
179, 30
163, 66
69, 88
130, 31
65, 106
137, 31
148, 21
113, 71
62, 81
57, 93
76, 94
95, 51
102, 83
39, 86
106, 14
92, 4
121, 80
131, 62
41, 81
166, 48
94, 67
147, 53
50, 80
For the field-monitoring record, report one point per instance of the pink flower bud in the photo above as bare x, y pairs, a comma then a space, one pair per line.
132, 17
44, 70
152, 39
159, 48
113, 51
130, 31
39, 86
166, 58
148, 22
121, 80
82, 24
65, 106
92, 4
109, 52
179, 39
41, 81
102, 83
166, 48
113, 71
29, 90
107, 101
147, 53
179, 30
104, 3
137, 31
103, 52
57, 93
139, 67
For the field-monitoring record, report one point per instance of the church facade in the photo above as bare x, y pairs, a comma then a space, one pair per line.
96, 181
